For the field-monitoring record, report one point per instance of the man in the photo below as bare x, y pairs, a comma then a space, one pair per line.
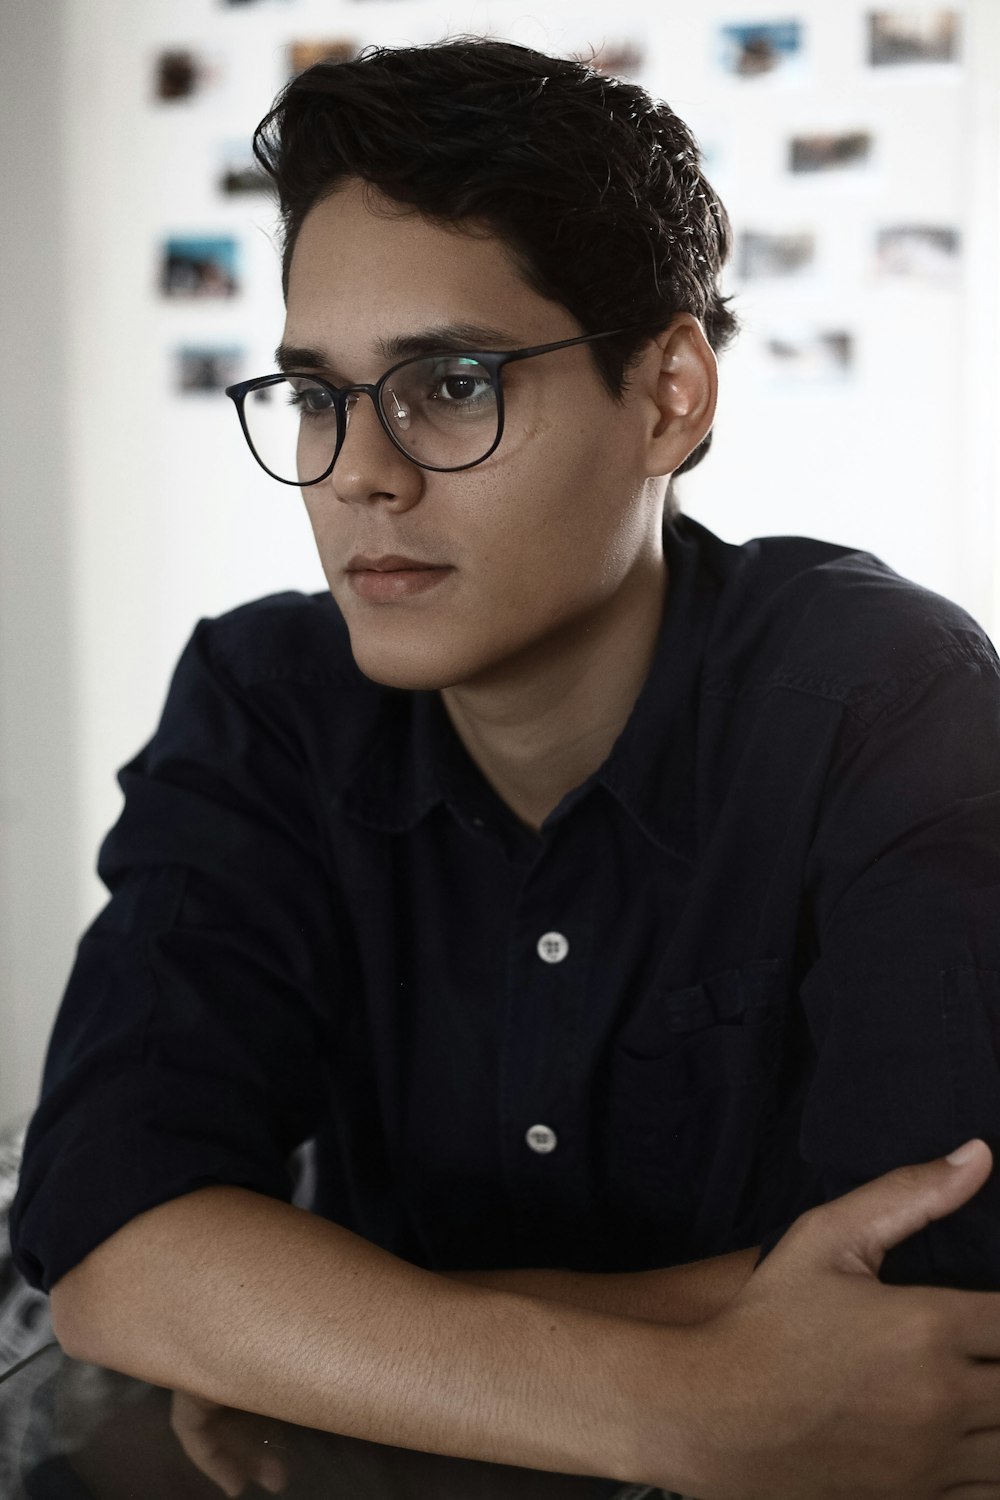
603, 899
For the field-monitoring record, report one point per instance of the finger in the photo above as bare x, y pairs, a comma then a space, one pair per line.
196, 1429
250, 1441
272, 1474
976, 1465
981, 1392
856, 1230
260, 1462
979, 1456
216, 1464
977, 1324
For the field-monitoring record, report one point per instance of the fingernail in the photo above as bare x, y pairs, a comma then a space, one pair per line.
962, 1154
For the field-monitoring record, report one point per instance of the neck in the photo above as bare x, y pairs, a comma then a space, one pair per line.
539, 726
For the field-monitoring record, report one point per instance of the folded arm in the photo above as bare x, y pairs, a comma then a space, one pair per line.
815, 1379
258, 1305
675, 1294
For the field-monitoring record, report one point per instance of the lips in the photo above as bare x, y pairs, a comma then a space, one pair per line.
387, 583
391, 563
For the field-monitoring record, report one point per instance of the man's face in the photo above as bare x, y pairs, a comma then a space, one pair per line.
539, 538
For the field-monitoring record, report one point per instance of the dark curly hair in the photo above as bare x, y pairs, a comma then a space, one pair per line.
594, 187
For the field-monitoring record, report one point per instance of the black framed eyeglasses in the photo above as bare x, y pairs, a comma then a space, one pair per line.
444, 411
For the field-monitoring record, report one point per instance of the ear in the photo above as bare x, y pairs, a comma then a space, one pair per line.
678, 379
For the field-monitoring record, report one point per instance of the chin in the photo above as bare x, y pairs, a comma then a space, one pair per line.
414, 669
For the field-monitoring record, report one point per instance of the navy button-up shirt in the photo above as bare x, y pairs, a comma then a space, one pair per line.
748, 964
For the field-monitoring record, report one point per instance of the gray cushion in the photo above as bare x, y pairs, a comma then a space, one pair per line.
25, 1324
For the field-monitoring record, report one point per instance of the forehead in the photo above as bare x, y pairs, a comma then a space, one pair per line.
359, 260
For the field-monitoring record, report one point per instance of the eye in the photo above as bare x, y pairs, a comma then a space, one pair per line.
457, 381
461, 385
310, 400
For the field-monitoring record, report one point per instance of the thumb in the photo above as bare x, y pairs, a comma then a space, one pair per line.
860, 1227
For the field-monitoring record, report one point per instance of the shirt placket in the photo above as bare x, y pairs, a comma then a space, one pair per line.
542, 1112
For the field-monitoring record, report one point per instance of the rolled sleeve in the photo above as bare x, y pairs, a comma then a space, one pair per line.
903, 1000
191, 1044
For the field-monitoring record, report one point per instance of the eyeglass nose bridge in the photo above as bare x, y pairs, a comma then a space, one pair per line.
347, 400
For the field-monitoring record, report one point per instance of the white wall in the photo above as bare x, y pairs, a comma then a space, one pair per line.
903, 460
128, 512
42, 872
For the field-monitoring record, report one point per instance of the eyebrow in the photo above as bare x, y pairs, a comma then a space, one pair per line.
444, 338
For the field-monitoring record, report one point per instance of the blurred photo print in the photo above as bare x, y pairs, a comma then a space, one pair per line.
199, 267
205, 369
828, 151
180, 74
761, 255
912, 35
239, 170
302, 55
761, 48
623, 59
808, 357
916, 252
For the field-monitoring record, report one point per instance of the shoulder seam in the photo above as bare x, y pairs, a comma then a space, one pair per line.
866, 705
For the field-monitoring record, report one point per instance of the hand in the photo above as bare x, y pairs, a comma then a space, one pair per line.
818, 1380
229, 1447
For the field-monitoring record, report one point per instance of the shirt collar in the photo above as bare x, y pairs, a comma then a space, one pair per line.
418, 761
652, 765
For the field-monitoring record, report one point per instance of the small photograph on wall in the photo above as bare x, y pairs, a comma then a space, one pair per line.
302, 55
761, 255
181, 74
239, 170
761, 49
202, 368
918, 252
195, 266
620, 59
806, 358
910, 36
829, 151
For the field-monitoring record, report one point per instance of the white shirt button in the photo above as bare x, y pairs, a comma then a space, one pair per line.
541, 1138
553, 947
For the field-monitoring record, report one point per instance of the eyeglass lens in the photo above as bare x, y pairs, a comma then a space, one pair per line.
442, 411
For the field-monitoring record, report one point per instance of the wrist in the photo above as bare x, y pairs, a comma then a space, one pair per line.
662, 1420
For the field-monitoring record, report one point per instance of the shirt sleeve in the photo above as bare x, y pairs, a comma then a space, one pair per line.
903, 1000
190, 1043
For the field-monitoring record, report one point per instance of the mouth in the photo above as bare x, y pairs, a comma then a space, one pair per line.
390, 579
390, 563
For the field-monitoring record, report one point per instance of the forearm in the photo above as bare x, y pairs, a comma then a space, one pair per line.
674, 1295
260, 1306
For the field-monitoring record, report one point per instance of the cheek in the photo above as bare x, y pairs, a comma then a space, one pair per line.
318, 508
553, 463
549, 538
333, 538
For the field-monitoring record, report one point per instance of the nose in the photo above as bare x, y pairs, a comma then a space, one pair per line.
369, 465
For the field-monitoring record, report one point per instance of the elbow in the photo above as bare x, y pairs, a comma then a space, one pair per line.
84, 1311
69, 1302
